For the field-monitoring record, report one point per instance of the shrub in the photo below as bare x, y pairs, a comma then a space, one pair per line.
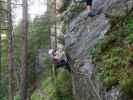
113, 55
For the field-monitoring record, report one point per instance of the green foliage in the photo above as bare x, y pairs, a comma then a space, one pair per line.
110, 81
64, 86
130, 39
48, 68
64, 6
113, 55
126, 85
4, 70
53, 88
38, 37
72, 12
39, 32
17, 97
57, 89
4, 98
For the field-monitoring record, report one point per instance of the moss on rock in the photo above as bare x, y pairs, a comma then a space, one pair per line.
113, 55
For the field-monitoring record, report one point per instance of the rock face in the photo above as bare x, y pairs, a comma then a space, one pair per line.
82, 34
113, 7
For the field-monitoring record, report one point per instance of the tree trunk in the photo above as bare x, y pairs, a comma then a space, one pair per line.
23, 58
49, 24
0, 59
10, 52
0, 42
55, 27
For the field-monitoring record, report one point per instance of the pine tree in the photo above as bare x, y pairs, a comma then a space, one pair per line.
55, 24
10, 51
23, 56
0, 41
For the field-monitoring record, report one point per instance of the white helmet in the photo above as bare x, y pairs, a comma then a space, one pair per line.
50, 52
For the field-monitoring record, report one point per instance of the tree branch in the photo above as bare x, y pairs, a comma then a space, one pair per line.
3, 29
11, 3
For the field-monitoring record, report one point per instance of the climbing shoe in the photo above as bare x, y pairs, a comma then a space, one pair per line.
91, 14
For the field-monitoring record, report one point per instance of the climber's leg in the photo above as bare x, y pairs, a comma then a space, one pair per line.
67, 66
89, 8
60, 64
89, 5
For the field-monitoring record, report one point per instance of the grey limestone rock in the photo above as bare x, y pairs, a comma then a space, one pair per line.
82, 34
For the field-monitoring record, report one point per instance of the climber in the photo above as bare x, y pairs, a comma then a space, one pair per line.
89, 8
58, 59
